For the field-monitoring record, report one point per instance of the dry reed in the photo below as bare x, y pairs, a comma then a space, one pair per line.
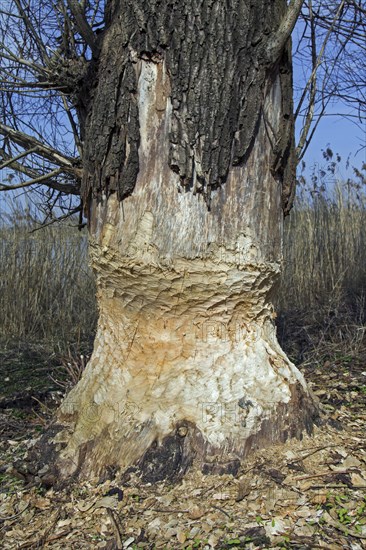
47, 288
325, 249
322, 295
48, 293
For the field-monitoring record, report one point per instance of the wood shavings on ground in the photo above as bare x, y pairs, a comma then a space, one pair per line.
302, 494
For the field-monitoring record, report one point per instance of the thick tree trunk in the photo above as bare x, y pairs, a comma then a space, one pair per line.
186, 368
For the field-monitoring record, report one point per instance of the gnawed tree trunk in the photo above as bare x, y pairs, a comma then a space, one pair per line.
188, 168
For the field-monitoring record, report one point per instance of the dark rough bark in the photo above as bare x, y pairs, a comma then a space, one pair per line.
214, 52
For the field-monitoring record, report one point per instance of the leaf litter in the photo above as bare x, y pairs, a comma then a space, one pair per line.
302, 494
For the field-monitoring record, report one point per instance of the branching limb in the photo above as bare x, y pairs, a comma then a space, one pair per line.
301, 153
73, 125
32, 32
72, 212
313, 86
12, 162
40, 179
10, 56
24, 140
45, 48
83, 26
277, 43
311, 83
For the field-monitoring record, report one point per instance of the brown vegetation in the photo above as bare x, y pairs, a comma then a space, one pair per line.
47, 288
286, 498
48, 293
321, 302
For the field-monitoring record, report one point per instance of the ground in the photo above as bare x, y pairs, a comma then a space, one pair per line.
303, 494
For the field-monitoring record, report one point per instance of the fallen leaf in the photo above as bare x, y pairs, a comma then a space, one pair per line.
290, 455
303, 530
320, 498
351, 462
41, 503
128, 542
275, 527
84, 506
221, 496
276, 475
195, 512
303, 512
357, 480
64, 523
243, 490
181, 536
104, 502
305, 485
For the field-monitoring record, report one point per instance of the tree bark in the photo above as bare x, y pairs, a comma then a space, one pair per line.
187, 172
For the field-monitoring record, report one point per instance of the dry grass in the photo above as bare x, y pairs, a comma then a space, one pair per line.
47, 288
324, 249
322, 294
48, 294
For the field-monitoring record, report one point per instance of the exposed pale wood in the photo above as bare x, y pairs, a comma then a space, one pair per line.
186, 369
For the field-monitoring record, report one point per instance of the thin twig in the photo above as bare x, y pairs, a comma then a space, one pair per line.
330, 473
43, 406
116, 529
47, 152
58, 219
221, 510
168, 510
335, 486
312, 453
8, 518
39, 179
35, 542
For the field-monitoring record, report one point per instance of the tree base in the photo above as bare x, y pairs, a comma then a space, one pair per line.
197, 385
185, 447
186, 372
178, 452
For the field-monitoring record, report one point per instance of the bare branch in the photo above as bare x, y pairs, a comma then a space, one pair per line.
313, 130
67, 188
44, 54
59, 218
83, 26
277, 43
12, 160
40, 179
24, 140
312, 95
311, 83
20, 61
29, 25
73, 125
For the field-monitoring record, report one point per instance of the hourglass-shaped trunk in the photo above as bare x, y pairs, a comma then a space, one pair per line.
188, 167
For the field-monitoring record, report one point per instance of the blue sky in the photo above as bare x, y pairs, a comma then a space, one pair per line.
343, 137
335, 130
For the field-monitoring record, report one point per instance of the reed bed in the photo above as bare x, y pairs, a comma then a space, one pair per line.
47, 290
324, 249
321, 301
